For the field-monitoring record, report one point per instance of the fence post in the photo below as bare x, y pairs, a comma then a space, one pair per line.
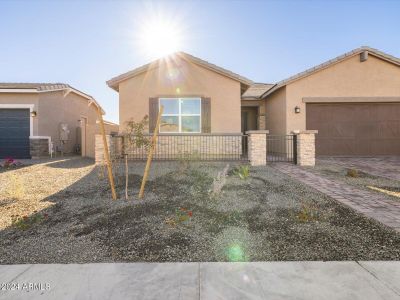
257, 147
305, 148
99, 148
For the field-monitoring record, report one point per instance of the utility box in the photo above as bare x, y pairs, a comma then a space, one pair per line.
64, 132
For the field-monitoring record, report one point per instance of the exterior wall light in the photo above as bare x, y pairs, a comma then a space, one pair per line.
33, 114
297, 110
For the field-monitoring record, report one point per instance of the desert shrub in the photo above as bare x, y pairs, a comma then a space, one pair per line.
219, 182
242, 171
10, 163
309, 212
182, 216
352, 173
136, 135
185, 159
25, 222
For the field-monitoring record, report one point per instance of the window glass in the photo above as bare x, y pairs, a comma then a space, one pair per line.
169, 124
190, 106
171, 106
181, 115
190, 123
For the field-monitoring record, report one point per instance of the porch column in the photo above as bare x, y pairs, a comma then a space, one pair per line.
305, 147
257, 147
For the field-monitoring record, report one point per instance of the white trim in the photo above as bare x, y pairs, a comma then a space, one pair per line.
179, 114
22, 106
5, 90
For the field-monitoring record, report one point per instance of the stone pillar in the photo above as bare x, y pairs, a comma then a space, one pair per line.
257, 147
99, 148
306, 147
39, 147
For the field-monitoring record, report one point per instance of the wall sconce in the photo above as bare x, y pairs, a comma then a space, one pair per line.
33, 114
297, 110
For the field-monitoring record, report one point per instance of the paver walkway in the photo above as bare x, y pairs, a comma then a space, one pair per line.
385, 166
257, 280
380, 208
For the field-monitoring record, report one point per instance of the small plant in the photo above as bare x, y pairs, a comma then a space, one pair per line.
10, 163
308, 213
135, 132
353, 173
219, 182
242, 171
25, 222
185, 159
182, 216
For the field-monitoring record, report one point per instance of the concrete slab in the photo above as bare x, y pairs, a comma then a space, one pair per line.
291, 280
386, 271
256, 280
105, 281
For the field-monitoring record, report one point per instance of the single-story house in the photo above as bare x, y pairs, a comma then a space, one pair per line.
37, 119
352, 100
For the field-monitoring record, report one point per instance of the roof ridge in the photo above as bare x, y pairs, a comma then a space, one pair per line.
113, 82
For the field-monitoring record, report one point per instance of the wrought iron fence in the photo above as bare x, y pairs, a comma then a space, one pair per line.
282, 148
212, 147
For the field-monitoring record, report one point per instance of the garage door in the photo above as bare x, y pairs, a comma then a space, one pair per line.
355, 128
14, 133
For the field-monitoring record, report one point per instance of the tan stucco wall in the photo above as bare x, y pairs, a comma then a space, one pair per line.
192, 80
275, 112
349, 78
54, 108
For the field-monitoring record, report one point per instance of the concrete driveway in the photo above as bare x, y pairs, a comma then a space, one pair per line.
257, 280
384, 166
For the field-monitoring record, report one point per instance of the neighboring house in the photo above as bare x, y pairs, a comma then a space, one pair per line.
32, 116
353, 101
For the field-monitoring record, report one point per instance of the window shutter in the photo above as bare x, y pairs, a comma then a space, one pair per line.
205, 115
153, 113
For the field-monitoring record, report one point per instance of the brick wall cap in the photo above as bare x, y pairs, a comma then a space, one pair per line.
257, 132
305, 132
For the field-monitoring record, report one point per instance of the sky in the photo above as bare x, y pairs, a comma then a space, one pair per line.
86, 43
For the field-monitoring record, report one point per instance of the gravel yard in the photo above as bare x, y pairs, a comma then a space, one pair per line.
381, 186
63, 213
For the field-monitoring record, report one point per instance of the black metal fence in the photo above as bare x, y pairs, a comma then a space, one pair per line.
282, 148
211, 147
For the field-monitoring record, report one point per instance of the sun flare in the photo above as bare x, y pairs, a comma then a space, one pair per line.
160, 37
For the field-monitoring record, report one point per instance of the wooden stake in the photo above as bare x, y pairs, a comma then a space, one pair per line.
107, 155
151, 151
126, 176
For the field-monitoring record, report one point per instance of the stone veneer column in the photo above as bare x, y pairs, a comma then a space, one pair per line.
99, 148
257, 149
39, 147
305, 147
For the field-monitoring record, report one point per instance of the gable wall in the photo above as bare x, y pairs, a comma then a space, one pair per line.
349, 78
192, 80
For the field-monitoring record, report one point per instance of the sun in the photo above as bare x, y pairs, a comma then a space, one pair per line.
159, 37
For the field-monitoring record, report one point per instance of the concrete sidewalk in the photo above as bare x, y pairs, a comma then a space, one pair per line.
258, 280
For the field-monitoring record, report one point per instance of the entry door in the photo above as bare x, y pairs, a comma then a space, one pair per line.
14, 133
83, 135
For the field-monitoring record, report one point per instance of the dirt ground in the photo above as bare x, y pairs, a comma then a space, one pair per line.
63, 213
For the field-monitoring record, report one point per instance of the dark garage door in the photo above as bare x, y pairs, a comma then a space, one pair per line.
14, 133
355, 128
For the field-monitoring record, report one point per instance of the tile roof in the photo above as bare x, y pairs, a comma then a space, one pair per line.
324, 65
47, 87
256, 90
113, 83
37, 86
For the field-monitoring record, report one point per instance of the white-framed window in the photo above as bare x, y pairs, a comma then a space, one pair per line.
181, 115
